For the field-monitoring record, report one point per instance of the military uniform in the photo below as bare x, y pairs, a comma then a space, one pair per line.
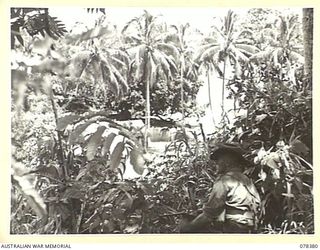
234, 201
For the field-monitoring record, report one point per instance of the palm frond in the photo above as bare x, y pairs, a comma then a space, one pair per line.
120, 79
219, 32
112, 76
171, 61
164, 64
152, 70
208, 54
262, 55
134, 20
247, 49
238, 34
169, 49
170, 38
201, 50
239, 56
133, 39
43, 24
80, 63
123, 56
291, 32
245, 41
150, 30
174, 27
183, 28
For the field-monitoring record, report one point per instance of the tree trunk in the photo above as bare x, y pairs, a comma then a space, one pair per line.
307, 22
147, 119
182, 92
307, 26
223, 84
209, 94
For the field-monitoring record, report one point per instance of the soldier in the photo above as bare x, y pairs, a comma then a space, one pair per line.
234, 202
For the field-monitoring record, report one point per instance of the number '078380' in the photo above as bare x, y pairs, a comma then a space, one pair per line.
309, 246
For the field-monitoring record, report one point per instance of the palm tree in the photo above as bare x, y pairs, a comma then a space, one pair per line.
153, 58
281, 46
226, 45
101, 62
188, 69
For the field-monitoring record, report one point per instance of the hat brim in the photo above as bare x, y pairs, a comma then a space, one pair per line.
217, 153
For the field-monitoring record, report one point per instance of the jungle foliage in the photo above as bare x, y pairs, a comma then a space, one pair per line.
76, 98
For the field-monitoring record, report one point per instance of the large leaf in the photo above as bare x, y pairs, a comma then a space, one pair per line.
94, 142
116, 156
22, 183
80, 63
271, 160
50, 170
137, 160
84, 170
107, 143
298, 147
74, 192
260, 118
63, 122
73, 137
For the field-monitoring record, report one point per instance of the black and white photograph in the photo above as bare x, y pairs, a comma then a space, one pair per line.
161, 120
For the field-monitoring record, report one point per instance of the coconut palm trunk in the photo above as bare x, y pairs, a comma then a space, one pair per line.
223, 85
209, 94
151, 58
148, 113
181, 91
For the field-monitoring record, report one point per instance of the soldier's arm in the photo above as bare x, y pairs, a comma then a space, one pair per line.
196, 225
211, 210
216, 202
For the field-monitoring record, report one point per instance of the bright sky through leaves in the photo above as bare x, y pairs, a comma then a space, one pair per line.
79, 20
